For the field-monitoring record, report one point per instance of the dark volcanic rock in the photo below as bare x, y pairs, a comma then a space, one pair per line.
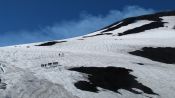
92, 35
50, 43
152, 25
97, 35
160, 54
140, 63
110, 78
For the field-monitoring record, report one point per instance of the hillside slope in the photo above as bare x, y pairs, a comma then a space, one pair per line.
132, 58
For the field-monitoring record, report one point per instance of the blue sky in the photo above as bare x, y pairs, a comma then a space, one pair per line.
26, 21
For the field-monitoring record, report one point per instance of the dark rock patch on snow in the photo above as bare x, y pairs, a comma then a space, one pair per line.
140, 63
98, 35
160, 54
108, 33
80, 39
110, 78
152, 25
86, 86
92, 35
50, 43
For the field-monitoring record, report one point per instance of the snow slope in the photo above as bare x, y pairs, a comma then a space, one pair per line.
132, 58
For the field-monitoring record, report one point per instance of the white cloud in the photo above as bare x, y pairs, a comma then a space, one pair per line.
89, 23
86, 24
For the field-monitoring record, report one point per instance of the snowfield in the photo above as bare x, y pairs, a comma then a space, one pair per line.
133, 58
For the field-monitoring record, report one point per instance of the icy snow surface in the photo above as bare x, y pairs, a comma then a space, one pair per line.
97, 65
